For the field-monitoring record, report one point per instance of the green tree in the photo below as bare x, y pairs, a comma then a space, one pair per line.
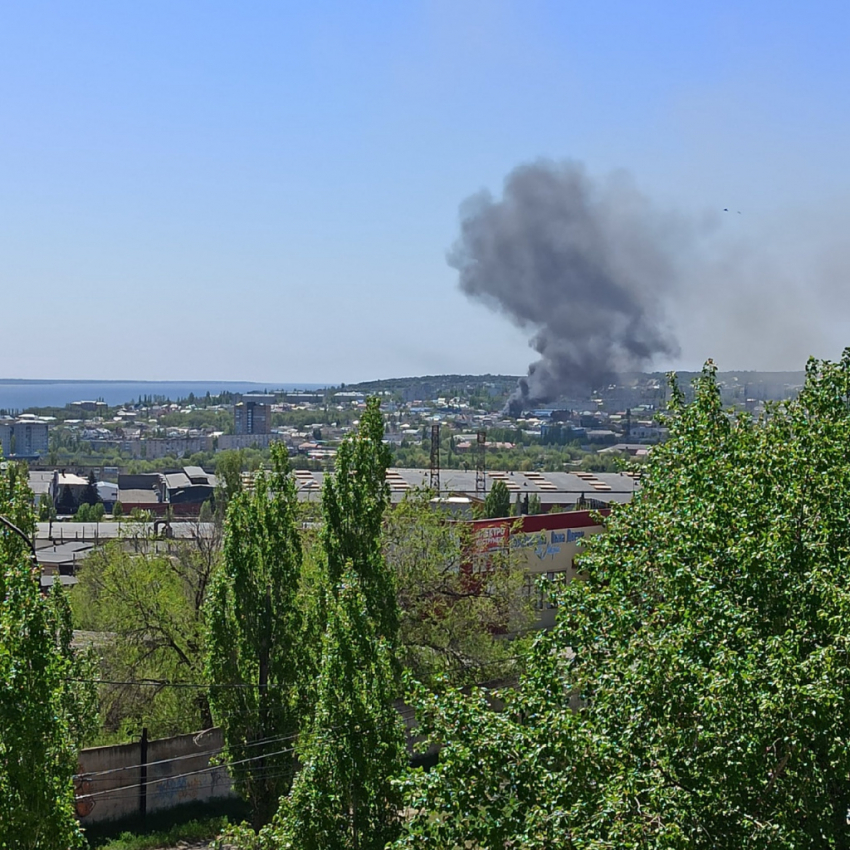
344, 796
117, 511
206, 514
228, 469
44, 712
152, 604
497, 503
253, 640
609, 462
89, 495
353, 502
454, 620
67, 502
694, 692
46, 511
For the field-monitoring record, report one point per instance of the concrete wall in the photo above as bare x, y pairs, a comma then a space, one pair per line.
108, 780
178, 771
157, 447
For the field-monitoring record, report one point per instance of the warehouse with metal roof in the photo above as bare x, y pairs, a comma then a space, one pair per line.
565, 490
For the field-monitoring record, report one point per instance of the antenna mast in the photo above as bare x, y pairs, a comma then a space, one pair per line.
435, 457
480, 476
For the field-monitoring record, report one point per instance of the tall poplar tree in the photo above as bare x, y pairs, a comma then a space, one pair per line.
353, 503
344, 796
253, 645
45, 712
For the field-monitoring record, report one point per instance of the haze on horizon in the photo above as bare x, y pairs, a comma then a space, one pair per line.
270, 191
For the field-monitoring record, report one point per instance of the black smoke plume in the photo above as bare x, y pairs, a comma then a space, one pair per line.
585, 263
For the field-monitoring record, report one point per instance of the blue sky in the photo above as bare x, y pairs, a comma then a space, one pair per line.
267, 191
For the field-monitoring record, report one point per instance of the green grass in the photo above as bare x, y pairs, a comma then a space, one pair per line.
191, 822
194, 830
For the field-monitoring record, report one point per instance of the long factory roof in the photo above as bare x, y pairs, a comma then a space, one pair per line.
550, 487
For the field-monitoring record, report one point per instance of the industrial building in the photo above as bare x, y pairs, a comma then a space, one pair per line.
555, 490
181, 491
547, 545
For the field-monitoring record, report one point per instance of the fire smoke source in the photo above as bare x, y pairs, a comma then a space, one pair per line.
586, 264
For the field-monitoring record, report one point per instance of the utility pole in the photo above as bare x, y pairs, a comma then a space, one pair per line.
480, 473
435, 457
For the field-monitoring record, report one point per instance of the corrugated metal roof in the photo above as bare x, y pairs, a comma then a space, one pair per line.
133, 497
551, 487
177, 480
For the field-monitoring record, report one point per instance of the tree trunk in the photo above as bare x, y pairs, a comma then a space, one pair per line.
261, 805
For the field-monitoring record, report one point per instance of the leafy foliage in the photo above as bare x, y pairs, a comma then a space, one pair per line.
148, 608
254, 627
696, 690
89, 495
228, 469
453, 622
344, 797
353, 502
497, 503
44, 713
90, 513
46, 511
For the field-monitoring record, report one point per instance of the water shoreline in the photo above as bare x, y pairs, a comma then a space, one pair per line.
17, 394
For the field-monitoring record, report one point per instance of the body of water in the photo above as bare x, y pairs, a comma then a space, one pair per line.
17, 395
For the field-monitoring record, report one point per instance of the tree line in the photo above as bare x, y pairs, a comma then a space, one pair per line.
693, 693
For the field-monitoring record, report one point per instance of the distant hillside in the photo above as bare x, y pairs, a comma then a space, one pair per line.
631, 388
438, 385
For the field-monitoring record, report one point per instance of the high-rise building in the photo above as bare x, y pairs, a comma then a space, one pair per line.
253, 413
6, 427
27, 437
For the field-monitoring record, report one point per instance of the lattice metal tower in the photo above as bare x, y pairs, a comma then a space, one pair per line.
435, 457
480, 473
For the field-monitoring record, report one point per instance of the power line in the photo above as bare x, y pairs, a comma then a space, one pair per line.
200, 754
267, 772
264, 775
184, 775
406, 714
162, 683
159, 683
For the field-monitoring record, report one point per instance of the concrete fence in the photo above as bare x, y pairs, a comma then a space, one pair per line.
149, 776
130, 780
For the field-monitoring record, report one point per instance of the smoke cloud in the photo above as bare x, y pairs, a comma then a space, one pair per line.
587, 265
